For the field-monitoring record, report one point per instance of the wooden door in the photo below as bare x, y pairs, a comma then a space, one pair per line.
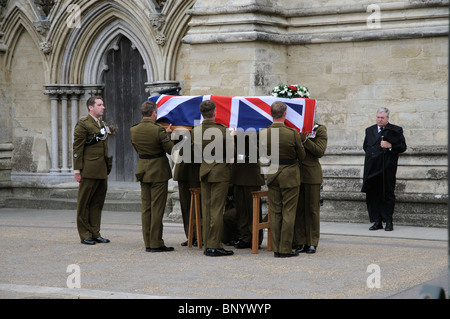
124, 94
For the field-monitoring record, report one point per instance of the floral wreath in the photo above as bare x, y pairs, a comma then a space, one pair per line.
291, 91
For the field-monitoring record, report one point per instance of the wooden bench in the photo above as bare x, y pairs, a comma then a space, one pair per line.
195, 218
257, 224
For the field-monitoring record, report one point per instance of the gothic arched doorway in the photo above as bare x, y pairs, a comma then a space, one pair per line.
124, 93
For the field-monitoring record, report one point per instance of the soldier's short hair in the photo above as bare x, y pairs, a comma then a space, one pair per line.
277, 109
147, 108
92, 99
207, 108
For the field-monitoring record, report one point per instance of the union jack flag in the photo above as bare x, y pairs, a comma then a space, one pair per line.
235, 112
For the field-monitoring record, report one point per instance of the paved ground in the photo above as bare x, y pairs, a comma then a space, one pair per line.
38, 246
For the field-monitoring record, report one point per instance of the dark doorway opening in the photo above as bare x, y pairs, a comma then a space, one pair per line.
124, 94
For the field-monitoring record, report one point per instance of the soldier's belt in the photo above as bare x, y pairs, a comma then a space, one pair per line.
147, 156
287, 161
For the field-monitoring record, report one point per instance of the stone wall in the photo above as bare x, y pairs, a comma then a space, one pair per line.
28, 107
352, 68
351, 81
234, 69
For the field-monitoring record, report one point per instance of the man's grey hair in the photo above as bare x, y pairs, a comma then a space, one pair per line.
383, 110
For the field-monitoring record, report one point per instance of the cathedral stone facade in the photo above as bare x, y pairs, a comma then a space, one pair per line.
354, 56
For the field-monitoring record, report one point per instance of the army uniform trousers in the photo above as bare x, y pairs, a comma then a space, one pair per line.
214, 196
244, 208
91, 198
283, 206
307, 221
153, 198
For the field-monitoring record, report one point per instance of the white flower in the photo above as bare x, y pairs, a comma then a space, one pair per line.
290, 91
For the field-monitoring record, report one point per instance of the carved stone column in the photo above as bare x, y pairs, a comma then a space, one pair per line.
75, 93
52, 92
59, 96
64, 133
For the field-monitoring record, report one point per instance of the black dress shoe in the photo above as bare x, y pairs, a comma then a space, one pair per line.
161, 249
292, 254
301, 249
184, 244
311, 250
242, 245
102, 240
217, 252
88, 241
231, 243
376, 226
389, 227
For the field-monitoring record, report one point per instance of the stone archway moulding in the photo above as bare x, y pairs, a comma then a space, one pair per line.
16, 22
83, 58
106, 40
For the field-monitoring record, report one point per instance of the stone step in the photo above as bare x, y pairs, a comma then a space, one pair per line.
128, 195
120, 197
338, 206
116, 191
69, 204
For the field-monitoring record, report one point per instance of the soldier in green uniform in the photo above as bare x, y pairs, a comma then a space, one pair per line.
307, 221
152, 141
230, 229
186, 173
284, 183
246, 178
214, 177
91, 167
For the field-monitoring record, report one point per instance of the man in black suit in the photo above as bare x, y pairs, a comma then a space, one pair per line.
382, 144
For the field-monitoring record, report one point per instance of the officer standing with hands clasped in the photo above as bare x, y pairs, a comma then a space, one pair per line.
152, 142
383, 143
284, 183
91, 167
